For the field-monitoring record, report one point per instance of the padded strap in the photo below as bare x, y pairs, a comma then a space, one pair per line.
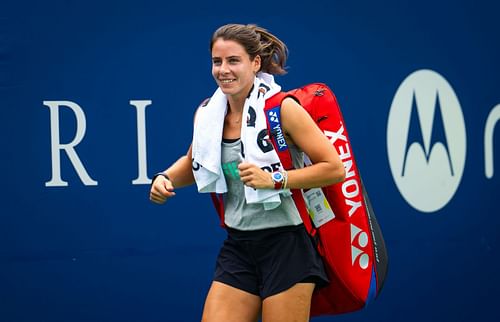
273, 119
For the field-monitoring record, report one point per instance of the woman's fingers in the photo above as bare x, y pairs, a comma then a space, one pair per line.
161, 190
254, 177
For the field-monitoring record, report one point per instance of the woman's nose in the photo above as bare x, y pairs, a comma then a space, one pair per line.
224, 68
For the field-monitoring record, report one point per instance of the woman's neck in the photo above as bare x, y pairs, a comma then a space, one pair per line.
236, 105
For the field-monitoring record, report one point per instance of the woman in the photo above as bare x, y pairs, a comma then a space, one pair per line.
268, 266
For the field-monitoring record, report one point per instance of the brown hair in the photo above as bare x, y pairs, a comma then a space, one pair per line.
256, 41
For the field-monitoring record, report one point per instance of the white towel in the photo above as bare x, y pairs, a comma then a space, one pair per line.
207, 139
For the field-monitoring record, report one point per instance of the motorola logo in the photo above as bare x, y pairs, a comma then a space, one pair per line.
426, 140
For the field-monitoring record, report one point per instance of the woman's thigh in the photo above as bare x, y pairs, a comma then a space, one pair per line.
292, 305
226, 303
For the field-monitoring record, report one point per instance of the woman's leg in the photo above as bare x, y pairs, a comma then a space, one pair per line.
226, 303
292, 305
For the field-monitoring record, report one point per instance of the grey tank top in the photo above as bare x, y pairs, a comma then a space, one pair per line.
243, 216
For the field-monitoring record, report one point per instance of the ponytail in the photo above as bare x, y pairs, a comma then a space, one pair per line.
273, 52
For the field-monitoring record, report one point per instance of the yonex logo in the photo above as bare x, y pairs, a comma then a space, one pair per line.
360, 239
426, 141
273, 116
351, 191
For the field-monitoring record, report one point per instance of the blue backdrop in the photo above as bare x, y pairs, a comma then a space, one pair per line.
97, 96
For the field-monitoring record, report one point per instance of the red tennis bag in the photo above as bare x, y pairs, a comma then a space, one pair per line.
349, 240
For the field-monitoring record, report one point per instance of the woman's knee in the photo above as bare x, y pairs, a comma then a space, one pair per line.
226, 303
294, 304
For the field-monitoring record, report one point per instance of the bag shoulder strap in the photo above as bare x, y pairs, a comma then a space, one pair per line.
272, 110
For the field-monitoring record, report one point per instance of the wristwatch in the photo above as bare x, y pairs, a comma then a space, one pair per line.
278, 178
163, 174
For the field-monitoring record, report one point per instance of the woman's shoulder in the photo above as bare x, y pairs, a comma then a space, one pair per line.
291, 108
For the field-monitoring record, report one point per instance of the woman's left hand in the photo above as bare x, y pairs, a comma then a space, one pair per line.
255, 177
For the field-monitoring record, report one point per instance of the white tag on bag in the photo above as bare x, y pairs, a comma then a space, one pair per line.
318, 207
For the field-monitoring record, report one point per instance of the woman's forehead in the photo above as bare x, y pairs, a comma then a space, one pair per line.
227, 47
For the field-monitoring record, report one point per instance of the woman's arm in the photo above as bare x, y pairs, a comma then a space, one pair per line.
327, 168
180, 174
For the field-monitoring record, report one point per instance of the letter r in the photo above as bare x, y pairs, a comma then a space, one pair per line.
69, 148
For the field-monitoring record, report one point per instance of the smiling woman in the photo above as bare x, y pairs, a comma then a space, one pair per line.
238, 53
233, 70
268, 265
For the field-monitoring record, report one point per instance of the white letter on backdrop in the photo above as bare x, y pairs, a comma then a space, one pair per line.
141, 141
69, 148
489, 129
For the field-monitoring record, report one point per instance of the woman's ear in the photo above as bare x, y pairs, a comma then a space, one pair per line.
256, 64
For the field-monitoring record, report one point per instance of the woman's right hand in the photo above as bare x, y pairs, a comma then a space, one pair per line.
161, 190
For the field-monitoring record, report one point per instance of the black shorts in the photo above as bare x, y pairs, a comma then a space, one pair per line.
269, 261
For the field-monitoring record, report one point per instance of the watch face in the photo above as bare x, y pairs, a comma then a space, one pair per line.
277, 176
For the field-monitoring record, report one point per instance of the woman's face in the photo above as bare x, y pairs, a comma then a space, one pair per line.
232, 68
